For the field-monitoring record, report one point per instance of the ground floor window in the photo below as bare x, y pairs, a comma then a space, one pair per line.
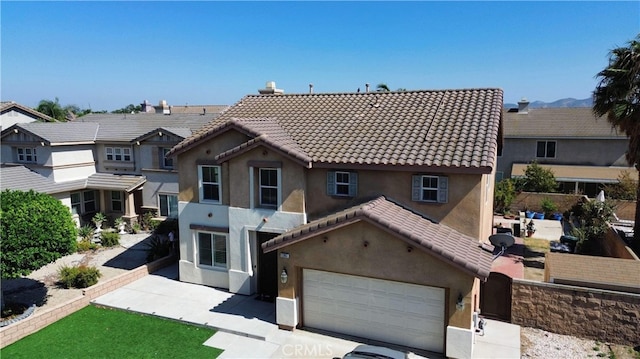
212, 249
168, 205
83, 202
116, 201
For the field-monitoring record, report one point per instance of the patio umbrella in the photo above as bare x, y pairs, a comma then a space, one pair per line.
600, 196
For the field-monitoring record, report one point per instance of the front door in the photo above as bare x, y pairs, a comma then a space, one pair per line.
267, 269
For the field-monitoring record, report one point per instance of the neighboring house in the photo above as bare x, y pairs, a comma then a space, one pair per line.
118, 159
361, 213
12, 113
166, 109
583, 151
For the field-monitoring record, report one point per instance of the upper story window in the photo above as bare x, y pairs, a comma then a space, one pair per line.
427, 188
27, 154
166, 163
341, 183
209, 183
118, 153
212, 249
269, 187
546, 149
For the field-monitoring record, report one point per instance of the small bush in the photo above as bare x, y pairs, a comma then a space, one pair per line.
166, 226
78, 276
110, 239
86, 245
135, 228
86, 232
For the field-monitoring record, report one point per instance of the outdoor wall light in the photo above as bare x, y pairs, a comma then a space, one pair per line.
283, 276
460, 302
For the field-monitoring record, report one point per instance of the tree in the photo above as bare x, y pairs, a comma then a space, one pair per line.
617, 96
36, 230
624, 189
382, 87
55, 110
539, 179
504, 195
51, 109
129, 109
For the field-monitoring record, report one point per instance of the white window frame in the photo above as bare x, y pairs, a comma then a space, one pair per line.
82, 205
546, 149
168, 214
167, 163
76, 206
214, 237
117, 199
441, 189
202, 184
276, 187
27, 154
119, 154
351, 185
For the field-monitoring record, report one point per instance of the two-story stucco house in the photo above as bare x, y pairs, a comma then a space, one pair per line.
110, 163
361, 213
583, 151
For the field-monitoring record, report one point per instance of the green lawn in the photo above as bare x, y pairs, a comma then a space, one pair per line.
106, 333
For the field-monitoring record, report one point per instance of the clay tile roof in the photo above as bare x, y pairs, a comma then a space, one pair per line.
439, 240
443, 128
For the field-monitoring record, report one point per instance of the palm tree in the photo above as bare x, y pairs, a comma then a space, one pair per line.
617, 96
382, 87
51, 109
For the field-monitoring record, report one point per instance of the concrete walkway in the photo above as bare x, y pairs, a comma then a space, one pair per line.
246, 326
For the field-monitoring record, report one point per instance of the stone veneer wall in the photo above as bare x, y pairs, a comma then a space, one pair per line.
582, 312
39, 320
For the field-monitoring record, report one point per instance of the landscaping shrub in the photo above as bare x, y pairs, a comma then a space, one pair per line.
110, 239
36, 229
86, 232
86, 245
78, 276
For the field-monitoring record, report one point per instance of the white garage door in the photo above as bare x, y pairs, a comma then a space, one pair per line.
392, 312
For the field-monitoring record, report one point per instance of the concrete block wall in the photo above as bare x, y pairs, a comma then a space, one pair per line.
602, 315
38, 320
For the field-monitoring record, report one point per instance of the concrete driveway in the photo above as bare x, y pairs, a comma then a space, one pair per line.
246, 326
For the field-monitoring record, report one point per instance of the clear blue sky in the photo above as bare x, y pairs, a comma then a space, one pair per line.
106, 55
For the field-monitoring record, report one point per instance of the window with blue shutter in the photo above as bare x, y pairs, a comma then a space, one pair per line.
342, 184
427, 188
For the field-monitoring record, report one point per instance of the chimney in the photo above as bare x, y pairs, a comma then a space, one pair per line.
270, 89
523, 106
310, 88
366, 87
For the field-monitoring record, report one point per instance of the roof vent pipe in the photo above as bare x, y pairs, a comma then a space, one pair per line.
366, 86
310, 88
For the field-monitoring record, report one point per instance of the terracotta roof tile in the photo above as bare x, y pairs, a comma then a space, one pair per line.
443, 242
446, 128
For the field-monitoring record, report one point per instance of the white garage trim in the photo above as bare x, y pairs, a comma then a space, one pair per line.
393, 312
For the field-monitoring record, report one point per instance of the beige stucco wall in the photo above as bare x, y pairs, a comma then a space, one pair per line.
465, 210
205, 153
385, 257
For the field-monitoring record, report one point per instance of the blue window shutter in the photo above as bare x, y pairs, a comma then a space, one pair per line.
353, 184
331, 183
443, 189
416, 188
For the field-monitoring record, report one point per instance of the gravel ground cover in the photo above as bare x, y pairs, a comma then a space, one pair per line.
40, 286
537, 343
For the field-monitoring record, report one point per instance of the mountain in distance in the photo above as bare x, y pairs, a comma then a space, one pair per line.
565, 102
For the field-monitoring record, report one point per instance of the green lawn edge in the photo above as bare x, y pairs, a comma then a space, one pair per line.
98, 332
